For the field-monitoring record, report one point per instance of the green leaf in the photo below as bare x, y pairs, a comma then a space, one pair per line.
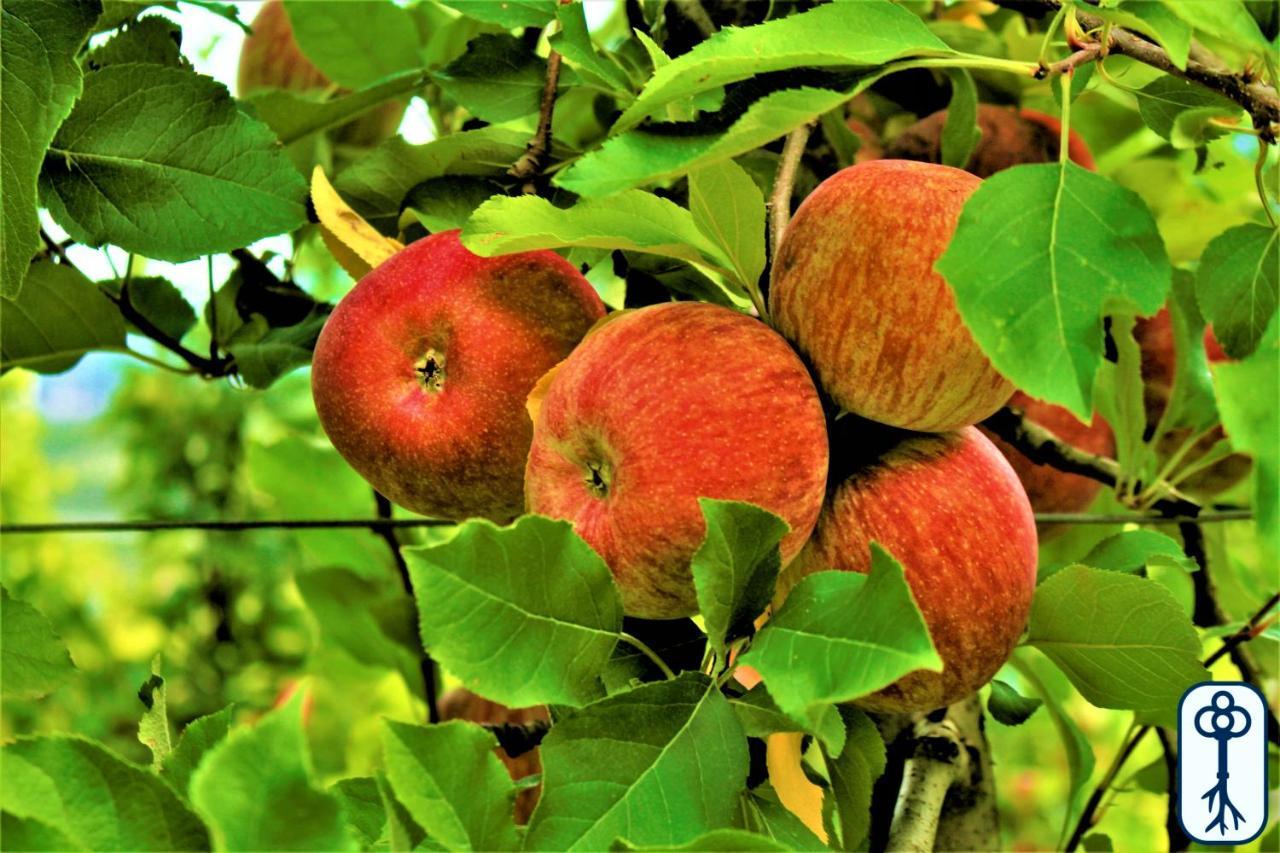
56, 320
255, 790
762, 813
840, 636
961, 134
1164, 100
30, 834
728, 208
201, 735
760, 717
1008, 706
1119, 398
33, 658
153, 728
641, 765
453, 784
853, 774
1131, 550
355, 42
160, 302
296, 115
402, 833
866, 33
1250, 417
641, 156
151, 39
1238, 285
76, 787
159, 161
523, 615
634, 220
508, 14
1040, 254
498, 79
377, 183
446, 203
40, 80
362, 803
263, 360
1155, 19
573, 41
735, 568
1122, 640
1191, 401
730, 840
680, 643
1228, 20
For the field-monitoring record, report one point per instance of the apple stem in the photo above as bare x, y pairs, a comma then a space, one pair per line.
647, 652
780, 204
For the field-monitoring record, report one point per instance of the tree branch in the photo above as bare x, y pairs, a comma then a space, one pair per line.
969, 818
209, 368
1041, 446
425, 665
529, 166
938, 761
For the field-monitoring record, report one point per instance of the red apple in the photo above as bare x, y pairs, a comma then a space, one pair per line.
662, 406
1009, 138
271, 59
855, 290
951, 510
461, 704
1049, 489
421, 373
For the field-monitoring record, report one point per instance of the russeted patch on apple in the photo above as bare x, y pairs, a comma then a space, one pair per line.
659, 407
856, 292
952, 511
421, 373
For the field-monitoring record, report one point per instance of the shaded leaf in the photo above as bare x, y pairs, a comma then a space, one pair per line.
498, 79
1238, 286
1164, 100
56, 320
1008, 706
151, 39
200, 736
355, 42
853, 774
296, 115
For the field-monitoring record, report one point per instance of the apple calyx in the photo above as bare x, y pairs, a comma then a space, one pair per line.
431, 368
598, 478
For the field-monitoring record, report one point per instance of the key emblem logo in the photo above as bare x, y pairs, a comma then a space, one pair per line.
1222, 763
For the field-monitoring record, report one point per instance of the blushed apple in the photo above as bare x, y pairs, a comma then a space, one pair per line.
855, 290
1049, 489
657, 408
270, 58
950, 509
421, 373
1009, 138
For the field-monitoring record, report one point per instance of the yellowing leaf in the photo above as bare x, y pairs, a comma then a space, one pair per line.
353, 242
801, 797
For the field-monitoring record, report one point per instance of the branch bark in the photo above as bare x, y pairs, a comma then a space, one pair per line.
529, 166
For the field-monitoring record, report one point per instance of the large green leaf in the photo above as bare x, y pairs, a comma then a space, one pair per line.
200, 736
1238, 285
1040, 255
1122, 640
362, 802
355, 42
452, 783
507, 13
1228, 20
1247, 400
1168, 102
256, 792
839, 636
644, 156
1131, 550
151, 39
634, 220
33, 658
295, 115
853, 773
523, 615
160, 161
498, 79
762, 813
864, 33
729, 840
89, 795
728, 208
40, 80
660, 764
55, 321
735, 568
760, 716
573, 41
1191, 400
1155, 19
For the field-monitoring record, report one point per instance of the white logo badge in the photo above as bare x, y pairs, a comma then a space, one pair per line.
1222, 762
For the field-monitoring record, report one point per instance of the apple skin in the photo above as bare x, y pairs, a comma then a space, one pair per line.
1009, 138
420, 374
271, 59
950, 509
856, 292
1049, 489
657, 408
461, 704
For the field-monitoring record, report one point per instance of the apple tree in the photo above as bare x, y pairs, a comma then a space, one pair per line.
632, 424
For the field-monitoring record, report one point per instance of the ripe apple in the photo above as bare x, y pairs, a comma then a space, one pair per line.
1009, 138
271, 59
1049, 489
421, 372
855, 290
1159, 366
461, 704
950, 509
657, 408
